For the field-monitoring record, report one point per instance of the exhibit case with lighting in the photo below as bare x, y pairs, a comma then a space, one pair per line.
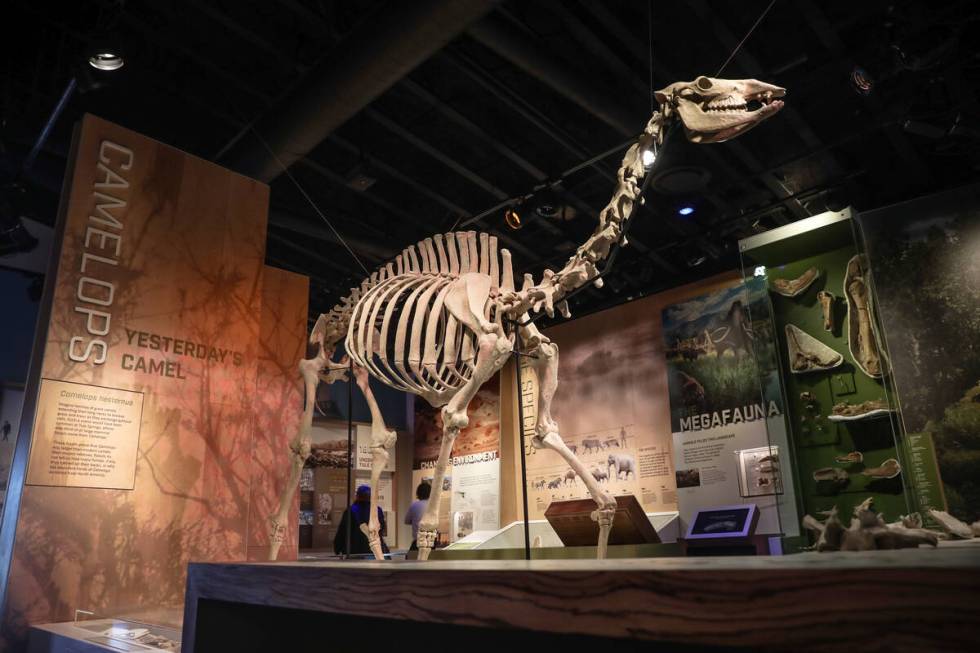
814, 282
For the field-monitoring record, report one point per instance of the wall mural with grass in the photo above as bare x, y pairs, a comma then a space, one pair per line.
926, 257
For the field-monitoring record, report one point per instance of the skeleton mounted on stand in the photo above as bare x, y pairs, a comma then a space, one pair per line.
442, 318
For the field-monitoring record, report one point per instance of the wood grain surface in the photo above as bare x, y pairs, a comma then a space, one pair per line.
895, 601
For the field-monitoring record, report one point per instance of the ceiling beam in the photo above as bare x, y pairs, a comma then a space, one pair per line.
917, 171
499, 35
370, 250
246, 34
373, 57
313, 254
423, 146
393, 172
424, 190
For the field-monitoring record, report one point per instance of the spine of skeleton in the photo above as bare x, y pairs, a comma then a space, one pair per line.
582, 267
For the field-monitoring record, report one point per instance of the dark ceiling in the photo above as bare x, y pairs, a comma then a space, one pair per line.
401, 119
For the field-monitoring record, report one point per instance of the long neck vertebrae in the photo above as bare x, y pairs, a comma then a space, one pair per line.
581, 267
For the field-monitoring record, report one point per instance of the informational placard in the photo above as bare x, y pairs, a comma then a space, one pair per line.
85, 436
470, 496
475, 503
364, 456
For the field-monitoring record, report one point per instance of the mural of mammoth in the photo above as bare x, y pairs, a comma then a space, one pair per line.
623, 463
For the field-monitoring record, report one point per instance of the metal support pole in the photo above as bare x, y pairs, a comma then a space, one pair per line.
520, 419
350, 455
48, 126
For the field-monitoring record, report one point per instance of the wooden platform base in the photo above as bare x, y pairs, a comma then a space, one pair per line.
908, 600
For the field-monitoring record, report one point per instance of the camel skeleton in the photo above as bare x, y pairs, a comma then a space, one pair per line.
442, 318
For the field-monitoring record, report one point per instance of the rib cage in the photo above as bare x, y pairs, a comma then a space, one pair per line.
397, 324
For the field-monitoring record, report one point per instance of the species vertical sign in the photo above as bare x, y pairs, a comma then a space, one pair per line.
147, 436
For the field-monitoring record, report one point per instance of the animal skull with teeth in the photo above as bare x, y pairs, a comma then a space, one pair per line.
715, 110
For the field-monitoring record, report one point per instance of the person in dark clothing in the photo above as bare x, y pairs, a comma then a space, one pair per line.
357, 514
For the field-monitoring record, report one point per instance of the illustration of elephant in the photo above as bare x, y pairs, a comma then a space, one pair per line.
623, 463
592, 444
600, 475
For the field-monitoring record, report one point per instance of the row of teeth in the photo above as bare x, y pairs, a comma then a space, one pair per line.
727, 107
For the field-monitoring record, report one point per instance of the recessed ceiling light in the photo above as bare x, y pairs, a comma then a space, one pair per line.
686, 210
106, 61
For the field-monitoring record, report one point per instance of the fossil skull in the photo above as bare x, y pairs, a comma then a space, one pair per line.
715, 110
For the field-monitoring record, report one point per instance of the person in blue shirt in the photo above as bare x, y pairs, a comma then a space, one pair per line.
358, 514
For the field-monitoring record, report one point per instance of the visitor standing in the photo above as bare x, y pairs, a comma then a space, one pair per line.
416, 510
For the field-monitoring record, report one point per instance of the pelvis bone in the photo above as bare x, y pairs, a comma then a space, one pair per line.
807, 354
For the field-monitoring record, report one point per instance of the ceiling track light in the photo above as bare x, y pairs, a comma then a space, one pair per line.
861, 81
513, 218
106, 60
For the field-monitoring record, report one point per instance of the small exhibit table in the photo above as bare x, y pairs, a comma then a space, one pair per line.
914, 599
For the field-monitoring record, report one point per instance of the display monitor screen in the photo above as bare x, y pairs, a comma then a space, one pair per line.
723, 521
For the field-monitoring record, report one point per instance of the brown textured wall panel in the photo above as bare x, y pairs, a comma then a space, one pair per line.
189, 267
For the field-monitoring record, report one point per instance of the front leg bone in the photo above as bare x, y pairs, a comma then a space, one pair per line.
382, 440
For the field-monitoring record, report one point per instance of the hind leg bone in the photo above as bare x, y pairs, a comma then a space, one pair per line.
546, 434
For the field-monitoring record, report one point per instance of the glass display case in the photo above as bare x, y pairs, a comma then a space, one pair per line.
814, 285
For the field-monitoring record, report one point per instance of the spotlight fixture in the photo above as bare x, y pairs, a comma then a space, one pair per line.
760, 271
106, 60
686, 210
861, 81
648, 156
513, 218
547, 204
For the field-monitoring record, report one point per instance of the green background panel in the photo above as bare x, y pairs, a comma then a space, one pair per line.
816, 440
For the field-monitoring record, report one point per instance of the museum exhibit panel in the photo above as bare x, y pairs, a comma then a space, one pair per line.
511, 323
